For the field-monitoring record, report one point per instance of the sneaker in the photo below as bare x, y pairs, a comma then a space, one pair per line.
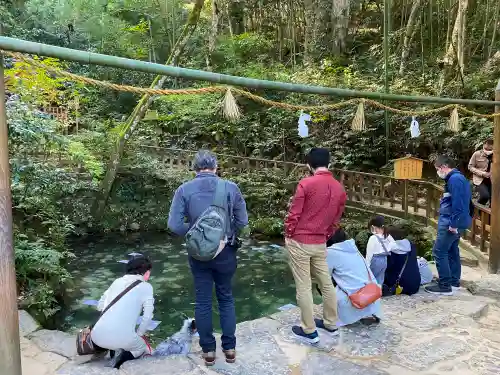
321, 324
436, 289
311, 338
209, 358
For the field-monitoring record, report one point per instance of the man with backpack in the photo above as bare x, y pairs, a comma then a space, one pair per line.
455, 217
210, 212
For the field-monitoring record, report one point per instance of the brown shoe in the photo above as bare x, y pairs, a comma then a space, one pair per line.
209, 358
230, 355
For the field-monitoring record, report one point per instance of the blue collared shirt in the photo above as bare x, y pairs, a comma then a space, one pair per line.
192, 198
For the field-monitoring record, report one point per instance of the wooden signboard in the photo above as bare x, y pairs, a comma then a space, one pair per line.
408, 168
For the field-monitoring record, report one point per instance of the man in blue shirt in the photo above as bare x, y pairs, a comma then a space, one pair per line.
454, 219
190, 200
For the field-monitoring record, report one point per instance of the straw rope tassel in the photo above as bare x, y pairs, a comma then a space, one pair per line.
230, 107
358, 123
454, 123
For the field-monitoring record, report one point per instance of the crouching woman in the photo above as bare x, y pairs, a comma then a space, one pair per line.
350, 273
116, 329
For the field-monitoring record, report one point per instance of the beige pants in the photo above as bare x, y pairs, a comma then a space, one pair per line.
307, 262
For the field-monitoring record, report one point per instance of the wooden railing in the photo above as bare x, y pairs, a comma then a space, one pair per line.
60, 113
415, 199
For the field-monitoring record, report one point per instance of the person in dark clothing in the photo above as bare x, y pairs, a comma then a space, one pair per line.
454, 219
402, 275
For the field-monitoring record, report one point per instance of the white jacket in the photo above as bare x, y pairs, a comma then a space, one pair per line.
116, 328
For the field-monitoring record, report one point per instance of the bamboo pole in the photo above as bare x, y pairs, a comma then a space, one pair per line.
10, 354
494, 256
386, 76
18, 45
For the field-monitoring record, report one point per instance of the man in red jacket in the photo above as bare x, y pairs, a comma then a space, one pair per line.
313, 217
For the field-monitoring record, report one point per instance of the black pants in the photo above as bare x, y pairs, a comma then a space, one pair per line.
484, 191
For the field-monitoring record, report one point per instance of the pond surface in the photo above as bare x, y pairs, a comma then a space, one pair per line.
262, 284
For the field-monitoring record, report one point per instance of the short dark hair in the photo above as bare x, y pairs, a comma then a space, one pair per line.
488, 142
338, 236
445, 160
396, 233
138, 265
318, 157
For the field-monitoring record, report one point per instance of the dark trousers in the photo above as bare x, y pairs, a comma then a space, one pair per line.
218, 271
484, 191
447, 257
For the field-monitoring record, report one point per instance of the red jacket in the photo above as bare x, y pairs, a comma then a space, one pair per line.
316, 209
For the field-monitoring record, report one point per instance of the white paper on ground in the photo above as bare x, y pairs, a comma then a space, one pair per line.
286, 307
152, 325
124, 261
134, 254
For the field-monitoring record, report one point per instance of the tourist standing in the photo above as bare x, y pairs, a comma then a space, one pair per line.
480, 166
454, 219
191, 202
313, 217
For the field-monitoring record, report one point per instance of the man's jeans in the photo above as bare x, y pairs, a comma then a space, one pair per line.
219, 271
447, 257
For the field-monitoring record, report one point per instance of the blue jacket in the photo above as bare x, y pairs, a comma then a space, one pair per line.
195, 196
455, 203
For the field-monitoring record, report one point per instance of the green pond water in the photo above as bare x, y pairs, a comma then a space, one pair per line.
262, 284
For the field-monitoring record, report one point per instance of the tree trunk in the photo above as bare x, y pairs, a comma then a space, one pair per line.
139, 112
495, 26
410, 31
340, 24
309, 42
212, 38
455, 53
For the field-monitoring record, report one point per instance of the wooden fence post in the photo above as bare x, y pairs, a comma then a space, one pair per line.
10, 355
494, 255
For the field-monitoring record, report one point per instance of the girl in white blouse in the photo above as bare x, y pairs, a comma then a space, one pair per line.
378, 248
116, 329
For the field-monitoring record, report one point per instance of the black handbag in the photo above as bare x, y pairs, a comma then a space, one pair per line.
84, 344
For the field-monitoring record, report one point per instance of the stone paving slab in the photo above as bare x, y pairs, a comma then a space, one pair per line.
358, 340
256, 355
93, 368
322, 364
55, 341
487, 286
421, 355
27, 324
175, 365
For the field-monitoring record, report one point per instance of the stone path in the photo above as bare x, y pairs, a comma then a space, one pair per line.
421, 334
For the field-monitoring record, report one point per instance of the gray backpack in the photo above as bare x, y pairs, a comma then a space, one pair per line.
208, 234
